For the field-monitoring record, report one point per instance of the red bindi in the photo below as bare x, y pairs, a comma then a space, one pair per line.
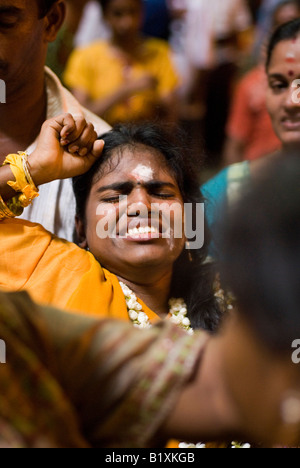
291, 73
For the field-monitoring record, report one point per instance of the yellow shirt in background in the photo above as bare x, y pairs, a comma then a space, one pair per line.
58, 273
99, 71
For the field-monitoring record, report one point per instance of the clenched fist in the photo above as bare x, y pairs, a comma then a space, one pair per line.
67, 147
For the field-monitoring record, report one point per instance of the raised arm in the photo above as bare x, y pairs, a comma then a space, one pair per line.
67, 147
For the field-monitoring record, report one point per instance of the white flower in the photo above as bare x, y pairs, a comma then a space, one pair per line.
133, 315
176, 320
186, 322
184, 445
142, 317
125, 290
131, 304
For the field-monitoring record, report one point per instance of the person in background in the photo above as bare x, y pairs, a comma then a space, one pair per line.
127, 78
34, 94
283, 104
214, 39
250, 134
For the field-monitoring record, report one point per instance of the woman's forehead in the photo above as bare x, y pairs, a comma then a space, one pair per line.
286, 53
139, 163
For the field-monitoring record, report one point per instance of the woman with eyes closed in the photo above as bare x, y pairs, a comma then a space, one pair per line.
130, 263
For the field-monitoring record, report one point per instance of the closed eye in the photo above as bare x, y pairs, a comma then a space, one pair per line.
164, 196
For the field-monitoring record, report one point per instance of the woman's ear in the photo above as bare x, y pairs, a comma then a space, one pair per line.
81, 235
54, 20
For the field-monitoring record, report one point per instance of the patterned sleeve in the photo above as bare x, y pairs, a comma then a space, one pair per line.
75, 381
125, 382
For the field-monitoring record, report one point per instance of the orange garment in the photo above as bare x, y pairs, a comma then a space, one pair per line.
57, 273
249, 121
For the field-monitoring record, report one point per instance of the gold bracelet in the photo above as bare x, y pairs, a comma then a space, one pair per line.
23, 183
27, 171
8, 211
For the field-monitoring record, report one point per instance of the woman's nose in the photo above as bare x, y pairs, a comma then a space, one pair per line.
139, 203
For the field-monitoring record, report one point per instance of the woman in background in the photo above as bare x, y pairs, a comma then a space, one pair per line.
250, 134
282, 68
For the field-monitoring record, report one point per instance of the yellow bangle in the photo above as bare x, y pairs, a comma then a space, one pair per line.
23, 183
9, 210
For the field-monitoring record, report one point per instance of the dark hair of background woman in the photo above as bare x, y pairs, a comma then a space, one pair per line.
192, 280
286, 32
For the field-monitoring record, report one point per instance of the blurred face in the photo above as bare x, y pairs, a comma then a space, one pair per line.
23, 41
283, 92
125, 18
261, 384
135, 233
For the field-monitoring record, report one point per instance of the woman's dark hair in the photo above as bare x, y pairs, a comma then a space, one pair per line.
192, 280
44, 6
262, 255
285, 32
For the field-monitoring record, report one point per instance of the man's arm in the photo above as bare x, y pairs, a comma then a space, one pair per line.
205, 411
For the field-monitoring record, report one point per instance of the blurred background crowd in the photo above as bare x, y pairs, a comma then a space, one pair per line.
198, 63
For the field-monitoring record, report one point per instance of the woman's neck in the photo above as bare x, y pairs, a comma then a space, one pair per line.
155, 294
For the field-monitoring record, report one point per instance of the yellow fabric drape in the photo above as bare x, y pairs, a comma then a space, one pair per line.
58, 273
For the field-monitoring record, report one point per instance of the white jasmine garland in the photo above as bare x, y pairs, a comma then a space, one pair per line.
178, 311
234, 445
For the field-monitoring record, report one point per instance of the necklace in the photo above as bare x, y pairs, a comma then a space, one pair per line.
177, 314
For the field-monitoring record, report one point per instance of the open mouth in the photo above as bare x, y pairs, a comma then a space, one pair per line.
291, 123
140, 230
143, 233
